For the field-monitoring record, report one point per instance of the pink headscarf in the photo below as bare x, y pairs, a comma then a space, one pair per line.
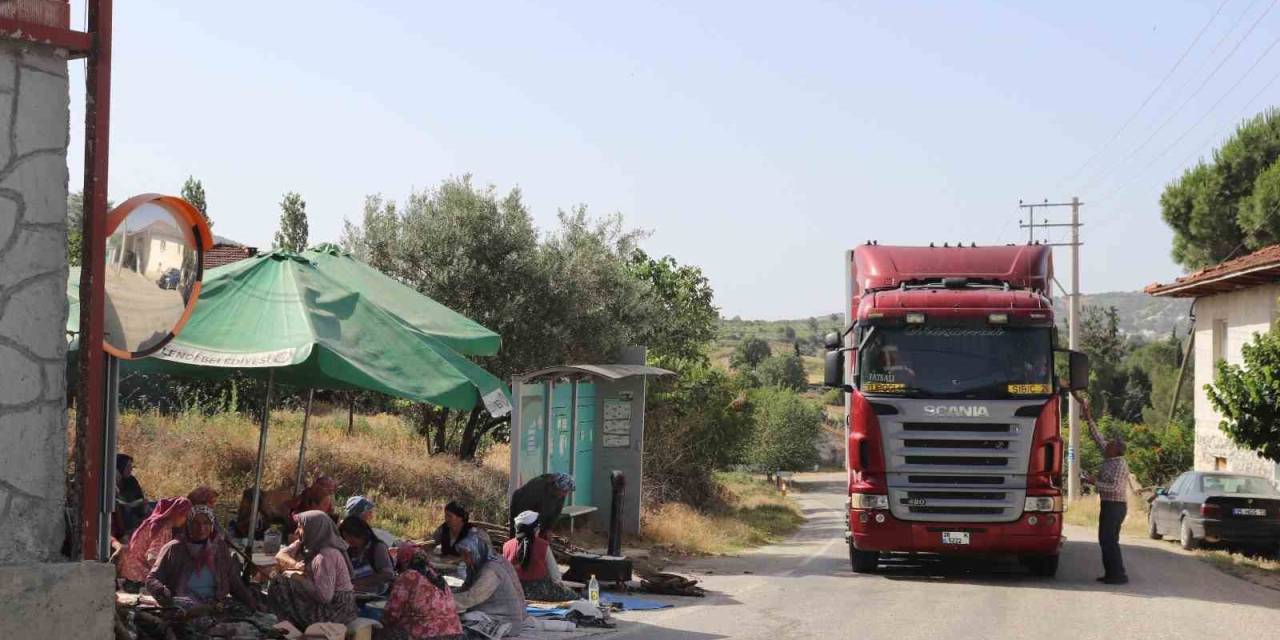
153, 533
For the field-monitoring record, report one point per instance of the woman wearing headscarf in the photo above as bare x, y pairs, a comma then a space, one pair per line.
316, 586
544, 494
131, 502
197, 569
371, 566
491, 589
531, 556
151, 536
420, 606
457, 525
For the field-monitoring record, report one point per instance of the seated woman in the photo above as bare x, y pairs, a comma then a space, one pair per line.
315, 585
492, 588
197, 570
420, 606
371, 567
150, 537
534, 563
131, 502
362, 507
457, 525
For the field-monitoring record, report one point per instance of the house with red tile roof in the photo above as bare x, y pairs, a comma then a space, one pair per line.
1233, 300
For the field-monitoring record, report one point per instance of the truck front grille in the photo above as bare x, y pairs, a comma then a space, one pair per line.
963, 427
931, 479
963, 511
958, 461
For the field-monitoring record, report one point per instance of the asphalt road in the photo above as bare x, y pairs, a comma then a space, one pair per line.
804, 588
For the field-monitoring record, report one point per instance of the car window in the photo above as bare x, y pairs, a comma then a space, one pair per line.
1236, 485
1179, 484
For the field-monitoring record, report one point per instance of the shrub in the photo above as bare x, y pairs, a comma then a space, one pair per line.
786, 432
786, 372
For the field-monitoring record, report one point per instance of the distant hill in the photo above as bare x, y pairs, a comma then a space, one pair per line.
1140, 314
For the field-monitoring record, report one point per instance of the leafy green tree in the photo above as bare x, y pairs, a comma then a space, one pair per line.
75, 226
681, 295
1248, 397
786, 372
750, 353
787, 427
694, 423
1230, 204
293, 232
193, 192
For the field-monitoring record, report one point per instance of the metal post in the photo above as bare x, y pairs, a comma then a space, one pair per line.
1073, 479
302, 447
546, 426
90, 411
107, 487
1182, 370
257, 472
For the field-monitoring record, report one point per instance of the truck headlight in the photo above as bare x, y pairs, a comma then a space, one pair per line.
1047, 504
868, 501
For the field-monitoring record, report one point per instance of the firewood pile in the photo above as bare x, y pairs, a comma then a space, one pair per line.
670, 584
498, 536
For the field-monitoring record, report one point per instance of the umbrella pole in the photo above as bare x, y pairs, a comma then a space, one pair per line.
302, 448
257, 473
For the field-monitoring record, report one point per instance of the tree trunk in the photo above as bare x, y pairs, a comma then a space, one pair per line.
351, 414
471, 446
442, 424
467, 448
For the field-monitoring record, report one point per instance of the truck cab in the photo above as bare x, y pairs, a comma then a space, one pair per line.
952, 418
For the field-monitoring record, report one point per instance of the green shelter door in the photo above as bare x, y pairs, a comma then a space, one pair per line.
561, 440
584, 445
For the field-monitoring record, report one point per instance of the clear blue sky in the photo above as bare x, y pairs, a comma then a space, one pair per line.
756, 140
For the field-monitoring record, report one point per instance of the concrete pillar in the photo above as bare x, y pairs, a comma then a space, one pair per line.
43, 595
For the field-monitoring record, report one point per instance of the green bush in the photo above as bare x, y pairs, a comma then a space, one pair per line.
786, 431
1248, 397
786, 372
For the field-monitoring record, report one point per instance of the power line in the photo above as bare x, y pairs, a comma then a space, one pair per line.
1150, 95
1199, 121
1193, 95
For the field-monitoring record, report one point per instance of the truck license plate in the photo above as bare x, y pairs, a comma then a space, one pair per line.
1249, 512
955, 537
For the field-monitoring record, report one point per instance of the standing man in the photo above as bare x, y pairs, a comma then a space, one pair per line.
545, 495
1112, 484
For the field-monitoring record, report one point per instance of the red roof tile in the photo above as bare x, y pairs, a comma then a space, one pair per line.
1260, 267
224, 254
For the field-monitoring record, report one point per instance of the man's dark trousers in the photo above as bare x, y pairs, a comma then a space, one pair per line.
1109, 522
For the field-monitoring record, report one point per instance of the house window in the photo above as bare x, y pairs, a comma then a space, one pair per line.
162, 245
1219, 340
1219, 464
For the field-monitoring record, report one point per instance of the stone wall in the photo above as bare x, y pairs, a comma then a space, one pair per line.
34, 120
1246, 312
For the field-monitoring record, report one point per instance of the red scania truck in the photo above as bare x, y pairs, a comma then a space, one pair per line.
951, 411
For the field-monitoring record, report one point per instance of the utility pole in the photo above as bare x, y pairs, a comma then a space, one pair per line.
1073, 322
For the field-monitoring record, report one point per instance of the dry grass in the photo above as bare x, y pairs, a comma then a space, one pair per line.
1256, 569
754, 513
382, 459
1084, 512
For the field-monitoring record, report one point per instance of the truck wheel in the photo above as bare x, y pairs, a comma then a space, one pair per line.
1042, 566
1187, 538
863, 561
1152, 531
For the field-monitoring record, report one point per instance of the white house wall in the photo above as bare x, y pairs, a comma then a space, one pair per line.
1246, 312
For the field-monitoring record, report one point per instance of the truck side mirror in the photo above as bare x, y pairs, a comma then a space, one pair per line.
833, 370
1078, 363
832, 341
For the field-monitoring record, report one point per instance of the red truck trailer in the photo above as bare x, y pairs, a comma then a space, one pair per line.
951, 406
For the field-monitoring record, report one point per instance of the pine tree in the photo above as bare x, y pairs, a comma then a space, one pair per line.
292, 234
193, 192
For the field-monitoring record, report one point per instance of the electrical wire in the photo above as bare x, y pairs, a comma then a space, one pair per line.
1188, 99
1154, 91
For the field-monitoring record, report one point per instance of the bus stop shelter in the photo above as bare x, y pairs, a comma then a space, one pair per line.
585, 420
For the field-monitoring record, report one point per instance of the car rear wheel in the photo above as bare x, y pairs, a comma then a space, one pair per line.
1042, 566
1186, 537
863, 561
1153, 531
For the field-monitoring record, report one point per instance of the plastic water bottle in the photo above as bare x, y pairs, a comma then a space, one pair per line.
462, 571
593, 591
271, 541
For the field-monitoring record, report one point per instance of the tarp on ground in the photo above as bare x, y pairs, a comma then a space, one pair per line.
280, 312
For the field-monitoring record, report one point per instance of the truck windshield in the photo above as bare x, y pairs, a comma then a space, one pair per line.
967, 362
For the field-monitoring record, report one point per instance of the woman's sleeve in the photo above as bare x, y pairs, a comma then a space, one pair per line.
397, 601
157, 576
324, 577
481, 590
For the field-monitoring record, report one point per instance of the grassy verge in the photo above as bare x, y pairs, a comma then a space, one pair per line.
753, 513
1084, 512
1258, 570
382, 459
